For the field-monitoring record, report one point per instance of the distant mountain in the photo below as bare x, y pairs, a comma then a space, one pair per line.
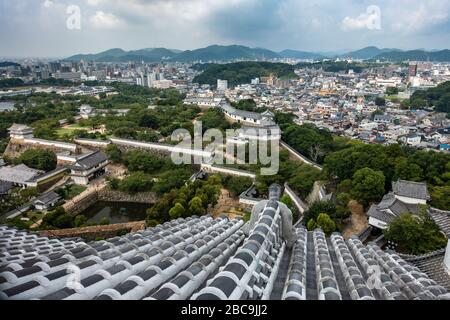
119, 55
223, 53
368, 53
415, 55
237, 52
211, 53
333, 53
295, 54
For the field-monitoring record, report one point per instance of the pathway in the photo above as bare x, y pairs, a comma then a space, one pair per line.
358, 220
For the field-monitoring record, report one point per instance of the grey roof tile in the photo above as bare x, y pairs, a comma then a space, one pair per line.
201, 258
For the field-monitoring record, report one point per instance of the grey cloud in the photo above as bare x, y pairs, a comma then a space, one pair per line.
29, 29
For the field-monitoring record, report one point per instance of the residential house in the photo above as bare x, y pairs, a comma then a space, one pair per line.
411, 192
406, 197
46, 201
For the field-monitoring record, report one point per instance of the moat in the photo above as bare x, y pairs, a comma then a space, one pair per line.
116, 212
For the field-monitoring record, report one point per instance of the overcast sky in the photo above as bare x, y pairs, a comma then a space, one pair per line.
34, 28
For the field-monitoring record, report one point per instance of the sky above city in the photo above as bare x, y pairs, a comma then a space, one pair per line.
59, 28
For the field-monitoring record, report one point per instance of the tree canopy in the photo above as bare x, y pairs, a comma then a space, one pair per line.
439, 97
39, 159
415, 234
243, 72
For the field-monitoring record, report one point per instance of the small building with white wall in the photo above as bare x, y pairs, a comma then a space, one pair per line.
20, 131
406, 197
89, 167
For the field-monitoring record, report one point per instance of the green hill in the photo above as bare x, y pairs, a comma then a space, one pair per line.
368, 53
243, 72
119, 55
225, 53
415, 55
439, 97
295, 54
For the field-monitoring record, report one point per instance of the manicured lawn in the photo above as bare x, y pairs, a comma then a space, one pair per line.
69, 130
75, 190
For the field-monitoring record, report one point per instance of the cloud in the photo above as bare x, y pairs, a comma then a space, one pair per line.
371, 20
313, 25
95, 3
423, 17
102, 20
47, 3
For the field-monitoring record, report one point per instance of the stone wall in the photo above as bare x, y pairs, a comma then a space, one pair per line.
118, 196
301, 206
298, 156
81, 202
227, 171
89, 197
16, 147
96, 231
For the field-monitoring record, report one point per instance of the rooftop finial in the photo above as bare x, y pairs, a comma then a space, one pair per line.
275, 192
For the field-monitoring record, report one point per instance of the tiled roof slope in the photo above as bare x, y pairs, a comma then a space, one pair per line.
442, 219
202, 258
390, 208
251, 273
433, 265
411, 189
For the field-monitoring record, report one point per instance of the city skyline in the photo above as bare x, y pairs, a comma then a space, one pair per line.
41, 28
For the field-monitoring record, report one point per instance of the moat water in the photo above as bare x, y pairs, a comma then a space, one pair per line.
116, 212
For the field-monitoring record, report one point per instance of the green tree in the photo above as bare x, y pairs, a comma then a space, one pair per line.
143, 161
177, 211
236, 185
302, 179
28, 193
44, 132
320, 207
64, 221
325, 223
51, 217
39, 159
125, 133
171, 180
415, 234
152, 223
104, 221
136, 182
311, 225
113, 183
214, 119
406, 170
114, 153
391, 91
368, 185
196, 207
440, 197
80, 221
310, 141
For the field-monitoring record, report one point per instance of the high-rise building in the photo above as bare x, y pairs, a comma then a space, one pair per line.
151, 78
54, 67
222, 85
412, 70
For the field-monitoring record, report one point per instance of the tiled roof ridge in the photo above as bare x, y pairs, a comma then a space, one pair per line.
412, 257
